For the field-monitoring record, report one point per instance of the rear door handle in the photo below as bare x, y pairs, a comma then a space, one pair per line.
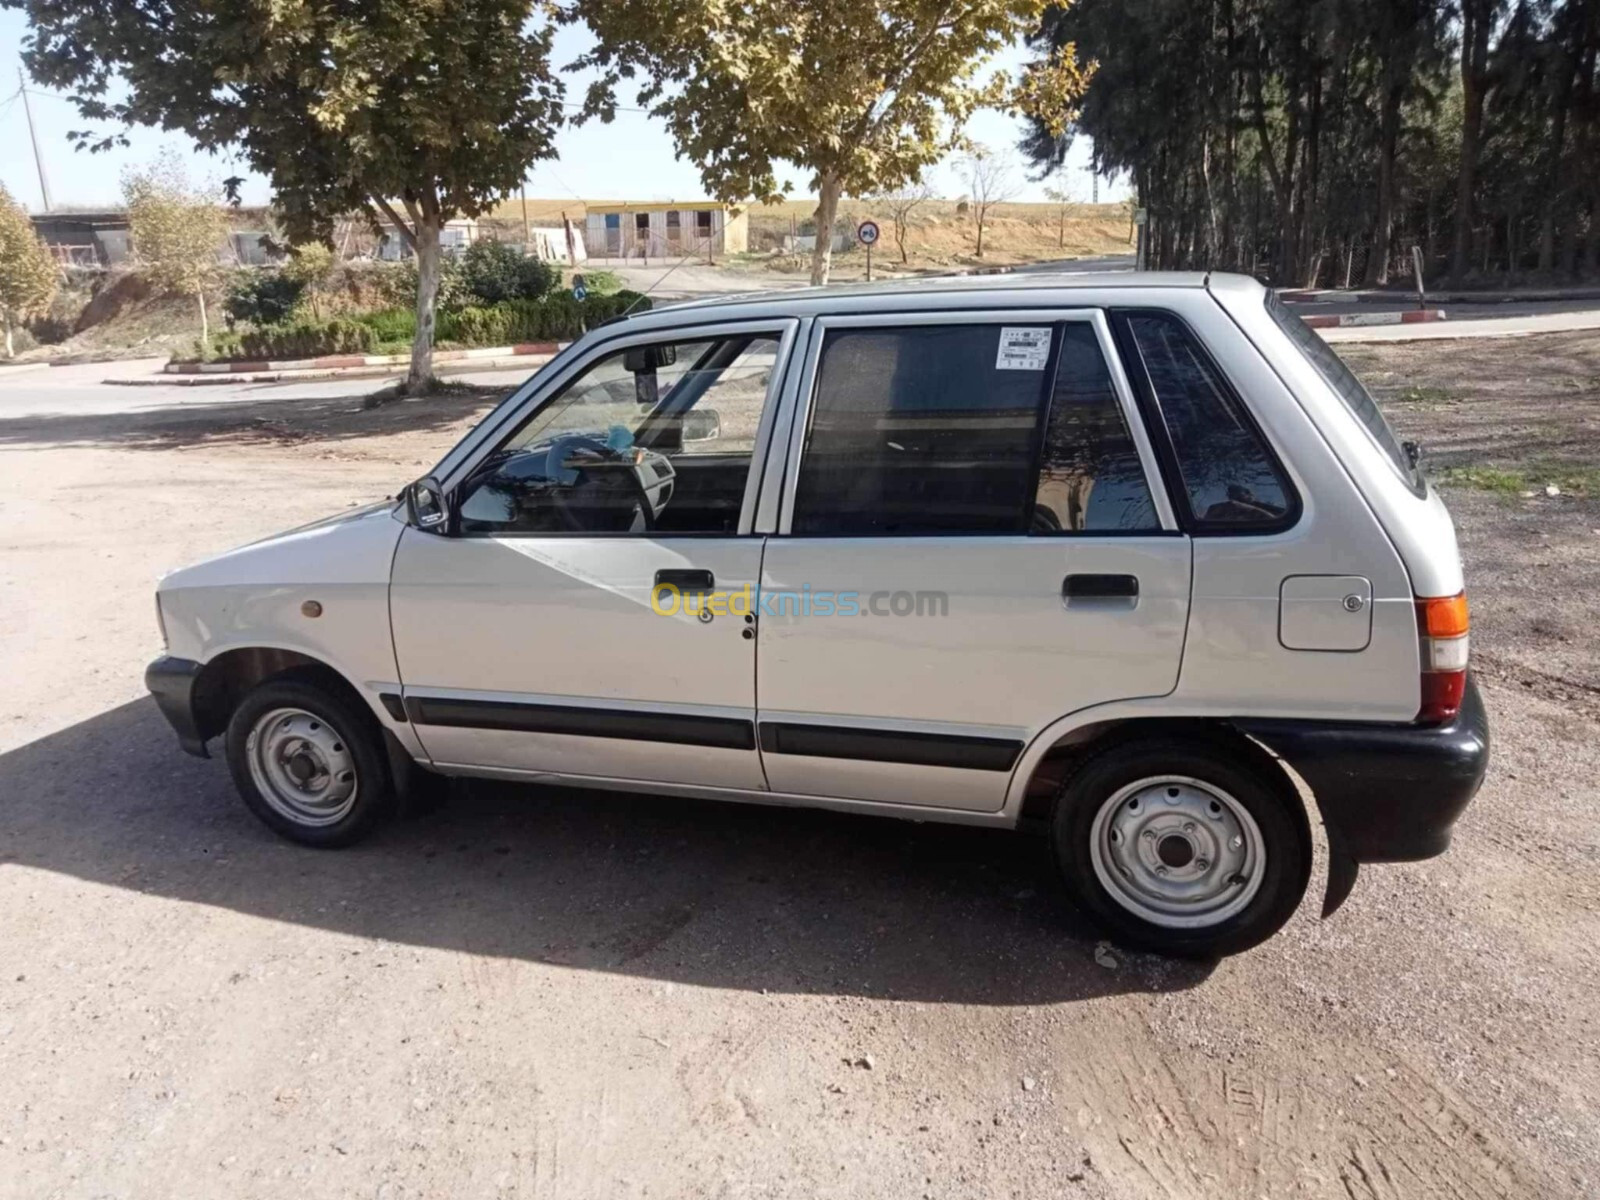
687, 581
1100, 587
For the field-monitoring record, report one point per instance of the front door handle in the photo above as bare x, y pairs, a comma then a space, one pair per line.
1100, 587
688, 582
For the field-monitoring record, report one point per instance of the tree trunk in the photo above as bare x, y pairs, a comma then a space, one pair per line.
1476, 18
827, 208
978, 214
427, 301
1383, 228
205, 327
10, 350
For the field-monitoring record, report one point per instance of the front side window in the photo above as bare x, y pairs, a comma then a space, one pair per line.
1231, 480
967, 429
650, 439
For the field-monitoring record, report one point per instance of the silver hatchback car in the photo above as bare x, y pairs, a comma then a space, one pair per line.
1132, 559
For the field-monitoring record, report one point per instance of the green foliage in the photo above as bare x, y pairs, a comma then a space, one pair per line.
260, 296
177, 230
494, 271
391, 324
864, 94
601, 283
28, 275
307, 338
398, 284
557, 317
412, 113
1314, 143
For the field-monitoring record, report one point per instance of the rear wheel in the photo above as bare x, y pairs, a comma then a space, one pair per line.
309, 763
1181, 848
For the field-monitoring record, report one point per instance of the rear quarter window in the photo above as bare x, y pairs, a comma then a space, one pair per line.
1347, 387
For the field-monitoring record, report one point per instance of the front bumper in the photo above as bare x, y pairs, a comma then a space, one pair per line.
1388, 793
172, 682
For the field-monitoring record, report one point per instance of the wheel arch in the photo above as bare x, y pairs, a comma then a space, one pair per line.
228, 677
1056, 754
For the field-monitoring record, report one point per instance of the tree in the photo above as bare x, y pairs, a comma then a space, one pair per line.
901, 203
410, 113
989, 182
177, 231
863, 94
1282, 138
1061, 197
28, 275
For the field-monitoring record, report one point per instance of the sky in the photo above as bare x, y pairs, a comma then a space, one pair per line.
632, 158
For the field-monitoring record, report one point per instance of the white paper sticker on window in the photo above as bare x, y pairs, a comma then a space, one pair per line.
1023, 348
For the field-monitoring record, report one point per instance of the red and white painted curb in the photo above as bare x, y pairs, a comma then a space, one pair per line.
1414, 316
336, 361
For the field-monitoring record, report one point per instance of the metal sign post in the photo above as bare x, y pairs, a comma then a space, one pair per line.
867, 234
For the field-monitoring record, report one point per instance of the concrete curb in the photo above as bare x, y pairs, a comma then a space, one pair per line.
340, 361
9, 369
1437, 295
1346, 320
307, 376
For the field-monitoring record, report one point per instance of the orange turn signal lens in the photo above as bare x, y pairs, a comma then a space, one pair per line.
1443, 616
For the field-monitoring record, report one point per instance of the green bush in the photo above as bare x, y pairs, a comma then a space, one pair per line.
306, 339
556, 318
262, 297
492, 272
390, 324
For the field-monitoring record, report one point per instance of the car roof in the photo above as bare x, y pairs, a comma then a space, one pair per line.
936, 291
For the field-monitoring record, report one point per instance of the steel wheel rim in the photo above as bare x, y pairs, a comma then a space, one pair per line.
302, 767
1177, 852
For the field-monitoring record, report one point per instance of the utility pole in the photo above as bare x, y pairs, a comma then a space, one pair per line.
527, 234
44, 184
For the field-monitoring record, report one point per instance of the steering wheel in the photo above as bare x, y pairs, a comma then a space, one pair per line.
611, 460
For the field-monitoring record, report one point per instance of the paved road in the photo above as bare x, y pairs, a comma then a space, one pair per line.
80, 389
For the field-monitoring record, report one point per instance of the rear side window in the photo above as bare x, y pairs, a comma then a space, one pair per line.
1231, 480
967, 429
1346, 386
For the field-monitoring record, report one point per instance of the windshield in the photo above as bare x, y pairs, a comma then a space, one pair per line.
1348, 388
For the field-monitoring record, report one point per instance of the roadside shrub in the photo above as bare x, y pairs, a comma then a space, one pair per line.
492, 272
262, 297
48, 330
601, 283
390, 324
397, 283
556, 318
307, 339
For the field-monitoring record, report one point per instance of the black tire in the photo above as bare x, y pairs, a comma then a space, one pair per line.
1270, 801
358, 739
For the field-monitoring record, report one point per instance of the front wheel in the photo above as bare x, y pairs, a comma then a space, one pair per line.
309, 763
1181, 848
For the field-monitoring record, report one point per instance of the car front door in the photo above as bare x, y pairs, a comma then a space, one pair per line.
580, 613
972, 542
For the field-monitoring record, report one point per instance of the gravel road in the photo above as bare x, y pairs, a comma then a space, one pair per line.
545, 993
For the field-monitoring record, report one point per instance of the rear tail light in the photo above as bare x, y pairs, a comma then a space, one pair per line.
1442, 641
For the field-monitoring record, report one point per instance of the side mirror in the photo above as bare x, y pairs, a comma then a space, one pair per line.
702, 425
425, 506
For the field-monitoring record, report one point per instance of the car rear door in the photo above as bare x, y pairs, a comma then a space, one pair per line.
971, 541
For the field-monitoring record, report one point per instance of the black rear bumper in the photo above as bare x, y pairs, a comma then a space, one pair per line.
172, 681
1388, 793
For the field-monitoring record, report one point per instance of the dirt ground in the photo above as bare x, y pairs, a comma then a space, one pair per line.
548, 993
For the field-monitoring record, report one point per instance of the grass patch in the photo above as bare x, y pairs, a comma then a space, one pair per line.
1574, 479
